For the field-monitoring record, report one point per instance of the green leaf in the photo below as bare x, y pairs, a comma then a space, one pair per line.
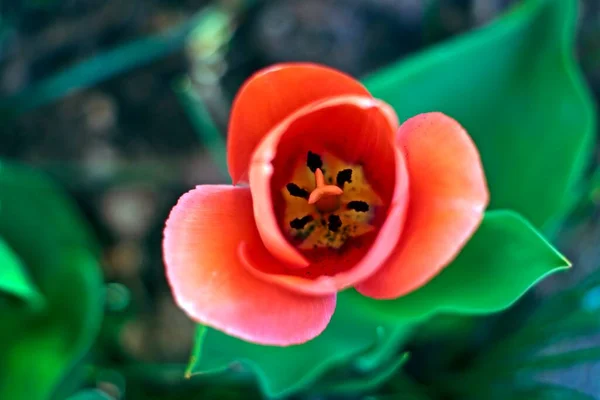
548, 392
533, 336
90, 394
363, 384
561, 360
350, 338
14, 279
514, 85
42, 226
570, 314
503, 259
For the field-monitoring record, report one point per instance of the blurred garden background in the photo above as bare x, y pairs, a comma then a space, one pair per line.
122, 106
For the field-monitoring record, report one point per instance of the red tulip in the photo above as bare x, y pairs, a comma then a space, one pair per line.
329, 194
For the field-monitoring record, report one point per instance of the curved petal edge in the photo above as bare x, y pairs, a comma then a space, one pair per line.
448, 196
209, 283
269, 96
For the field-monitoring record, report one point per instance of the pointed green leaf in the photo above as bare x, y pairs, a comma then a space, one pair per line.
503, 259
42, 226
284, 370
14, 279
514, 85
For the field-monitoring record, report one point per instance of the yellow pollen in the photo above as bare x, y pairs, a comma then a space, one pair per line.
327, 201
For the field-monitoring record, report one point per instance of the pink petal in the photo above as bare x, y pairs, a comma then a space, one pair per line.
448, 196
210, 284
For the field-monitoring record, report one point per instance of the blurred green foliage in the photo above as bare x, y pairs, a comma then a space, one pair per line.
55, 250
98, 69
14, 278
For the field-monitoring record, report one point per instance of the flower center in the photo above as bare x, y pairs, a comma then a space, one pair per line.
327, 202
325, 197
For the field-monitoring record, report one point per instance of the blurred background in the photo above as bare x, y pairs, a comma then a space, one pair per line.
125, 105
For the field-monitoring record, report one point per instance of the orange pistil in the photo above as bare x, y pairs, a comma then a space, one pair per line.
325, 197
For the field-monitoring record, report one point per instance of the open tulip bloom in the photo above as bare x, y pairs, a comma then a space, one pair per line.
330, 193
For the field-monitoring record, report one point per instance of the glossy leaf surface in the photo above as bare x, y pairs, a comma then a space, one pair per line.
350, 338
515, 87
504, 258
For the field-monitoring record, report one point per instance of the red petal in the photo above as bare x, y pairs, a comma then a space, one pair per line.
448, 195
272, 94
360, 129
210, 284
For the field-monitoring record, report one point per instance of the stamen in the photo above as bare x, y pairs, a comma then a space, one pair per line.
300, 223
296, 190
360, 206
344, 176
325, 197
328, 206
313, 161
334, 223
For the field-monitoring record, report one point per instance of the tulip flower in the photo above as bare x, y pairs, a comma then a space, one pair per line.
330, 192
